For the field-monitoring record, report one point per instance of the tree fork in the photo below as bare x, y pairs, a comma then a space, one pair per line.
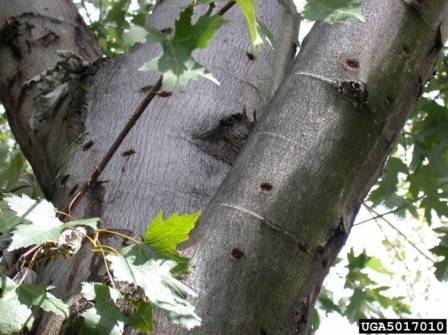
163, 138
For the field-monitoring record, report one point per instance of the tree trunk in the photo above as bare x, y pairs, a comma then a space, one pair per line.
273, 228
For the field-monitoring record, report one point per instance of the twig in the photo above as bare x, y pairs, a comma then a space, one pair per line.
399, 257
101, 11
93, 178
108, 231
225, 8
380, 216
370, 209
30, 266
105, 264
15, 189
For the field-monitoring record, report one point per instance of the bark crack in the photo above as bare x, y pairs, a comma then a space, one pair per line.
269, 223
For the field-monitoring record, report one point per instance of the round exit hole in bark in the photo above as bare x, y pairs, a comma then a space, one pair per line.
266, 187
236, 253
405, 50
352, 64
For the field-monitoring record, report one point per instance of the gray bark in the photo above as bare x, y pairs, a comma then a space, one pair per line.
267, 238
278, 220
182, 150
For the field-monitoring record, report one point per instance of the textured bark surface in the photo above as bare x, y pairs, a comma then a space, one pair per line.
181, 148
268, 237
277, 222
30, 34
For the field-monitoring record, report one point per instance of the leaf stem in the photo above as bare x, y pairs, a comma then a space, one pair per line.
118, 234
30, 266
106, 265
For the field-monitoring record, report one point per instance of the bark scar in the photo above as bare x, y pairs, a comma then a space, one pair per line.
225, 140
269, 223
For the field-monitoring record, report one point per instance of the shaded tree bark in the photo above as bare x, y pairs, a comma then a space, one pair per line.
279, 213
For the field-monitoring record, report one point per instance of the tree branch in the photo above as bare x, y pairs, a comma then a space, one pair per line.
93, 178
397, 209
226, 7
390, 224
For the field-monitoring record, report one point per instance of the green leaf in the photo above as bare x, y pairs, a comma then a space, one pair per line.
14, 314
177, 70
136, 265
248, 9
38, 295
166, 235
43, 224
389, 181
356, 306
441, 250
332, 11
134, 35
104, 317
326, 303
13, 171
141, 319
376, 265
176, 63
8, 218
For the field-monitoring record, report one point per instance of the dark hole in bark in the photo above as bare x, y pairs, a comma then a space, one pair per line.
266, 187
352, 63
389, 99
225, 139
320, 250
324, 263
128, 153
165, 94
64, 179
263, 332
405, 50
167, 31
87, 145
302, 247
236, 253
250, 55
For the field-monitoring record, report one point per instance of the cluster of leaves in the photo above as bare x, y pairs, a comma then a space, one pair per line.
118, 27
117, 24
176, 64
367, 298
141, 275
